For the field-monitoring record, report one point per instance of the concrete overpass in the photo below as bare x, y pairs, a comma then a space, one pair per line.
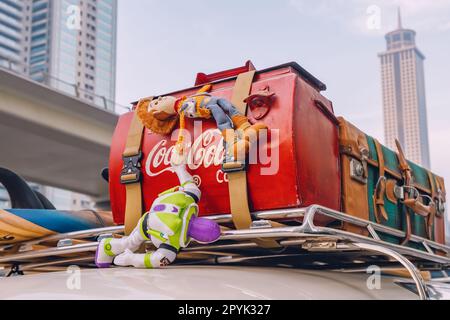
52, 138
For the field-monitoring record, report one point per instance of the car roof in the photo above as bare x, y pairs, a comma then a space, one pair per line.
199, 282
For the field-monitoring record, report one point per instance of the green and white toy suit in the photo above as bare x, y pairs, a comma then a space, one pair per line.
170, 224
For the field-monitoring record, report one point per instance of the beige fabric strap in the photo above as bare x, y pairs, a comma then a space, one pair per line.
134, 138
133, 206
237, 181
237, 186
242, 89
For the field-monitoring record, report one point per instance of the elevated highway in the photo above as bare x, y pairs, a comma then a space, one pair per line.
52, 138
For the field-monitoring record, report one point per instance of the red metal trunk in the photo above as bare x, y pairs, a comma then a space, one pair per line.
304, 160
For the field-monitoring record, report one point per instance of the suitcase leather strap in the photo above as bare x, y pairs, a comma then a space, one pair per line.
440, 195
380, 189
432, 205
407, 182
415, 204
131, 172
237, 179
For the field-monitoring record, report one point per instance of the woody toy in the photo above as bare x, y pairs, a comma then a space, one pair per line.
161, 116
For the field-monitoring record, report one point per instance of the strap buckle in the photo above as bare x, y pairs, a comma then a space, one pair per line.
233, 166
401, 192
440, 203
131, 171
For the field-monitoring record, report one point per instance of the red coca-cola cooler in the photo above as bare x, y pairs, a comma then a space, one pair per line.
297, 166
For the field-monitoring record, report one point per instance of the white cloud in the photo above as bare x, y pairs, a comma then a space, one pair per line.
425, 15
445, 26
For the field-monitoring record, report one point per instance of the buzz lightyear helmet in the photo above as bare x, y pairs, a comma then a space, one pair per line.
189, 214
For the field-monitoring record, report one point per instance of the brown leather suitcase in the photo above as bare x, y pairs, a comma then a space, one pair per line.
380, 185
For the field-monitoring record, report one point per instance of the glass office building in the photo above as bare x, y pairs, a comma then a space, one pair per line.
12, 35
69, 45
73, 47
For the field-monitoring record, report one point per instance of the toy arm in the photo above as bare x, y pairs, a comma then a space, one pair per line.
187, 181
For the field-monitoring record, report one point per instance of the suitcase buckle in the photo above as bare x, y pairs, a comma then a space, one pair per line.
399, 192
233, 166
131, 171
440, 204
357, 171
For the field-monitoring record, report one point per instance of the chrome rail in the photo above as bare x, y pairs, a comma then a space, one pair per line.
415, 274
306, 235
312, 211
292, 233
83, 234
43, 253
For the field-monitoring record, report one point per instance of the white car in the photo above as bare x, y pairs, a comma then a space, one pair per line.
207, 282
313, 263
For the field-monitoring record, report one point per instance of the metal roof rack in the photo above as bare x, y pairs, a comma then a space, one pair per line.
303, 244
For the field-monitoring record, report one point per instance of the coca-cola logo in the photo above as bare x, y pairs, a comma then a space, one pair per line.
207, 150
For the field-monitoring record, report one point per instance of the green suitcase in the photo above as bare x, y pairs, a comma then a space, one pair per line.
380, 185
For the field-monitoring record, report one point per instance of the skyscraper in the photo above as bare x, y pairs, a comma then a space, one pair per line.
73, 43
404, 102
67, 44
12, 35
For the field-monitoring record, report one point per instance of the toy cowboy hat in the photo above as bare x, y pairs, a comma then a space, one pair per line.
158, 115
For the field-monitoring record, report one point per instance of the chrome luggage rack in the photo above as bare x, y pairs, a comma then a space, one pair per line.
302, 244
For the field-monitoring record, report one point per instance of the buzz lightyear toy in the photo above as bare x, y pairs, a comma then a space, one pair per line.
170, 224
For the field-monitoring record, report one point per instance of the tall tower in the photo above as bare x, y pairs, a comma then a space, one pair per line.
404, 102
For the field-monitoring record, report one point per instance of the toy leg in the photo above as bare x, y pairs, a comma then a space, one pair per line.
151, 260
240, 121
244, 130
228, 107
109, 248
223, 121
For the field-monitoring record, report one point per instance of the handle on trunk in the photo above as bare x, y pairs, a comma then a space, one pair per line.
419, 208
203, 78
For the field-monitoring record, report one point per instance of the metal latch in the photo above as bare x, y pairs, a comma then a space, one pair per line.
399, 192
357, 171
260, 224
64, 243
320, 246
440, 203
104, 236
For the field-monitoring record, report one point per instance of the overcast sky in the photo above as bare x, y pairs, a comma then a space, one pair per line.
162, 44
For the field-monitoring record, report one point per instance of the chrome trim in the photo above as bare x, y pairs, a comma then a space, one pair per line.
69, 235
305, 234
415, 274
